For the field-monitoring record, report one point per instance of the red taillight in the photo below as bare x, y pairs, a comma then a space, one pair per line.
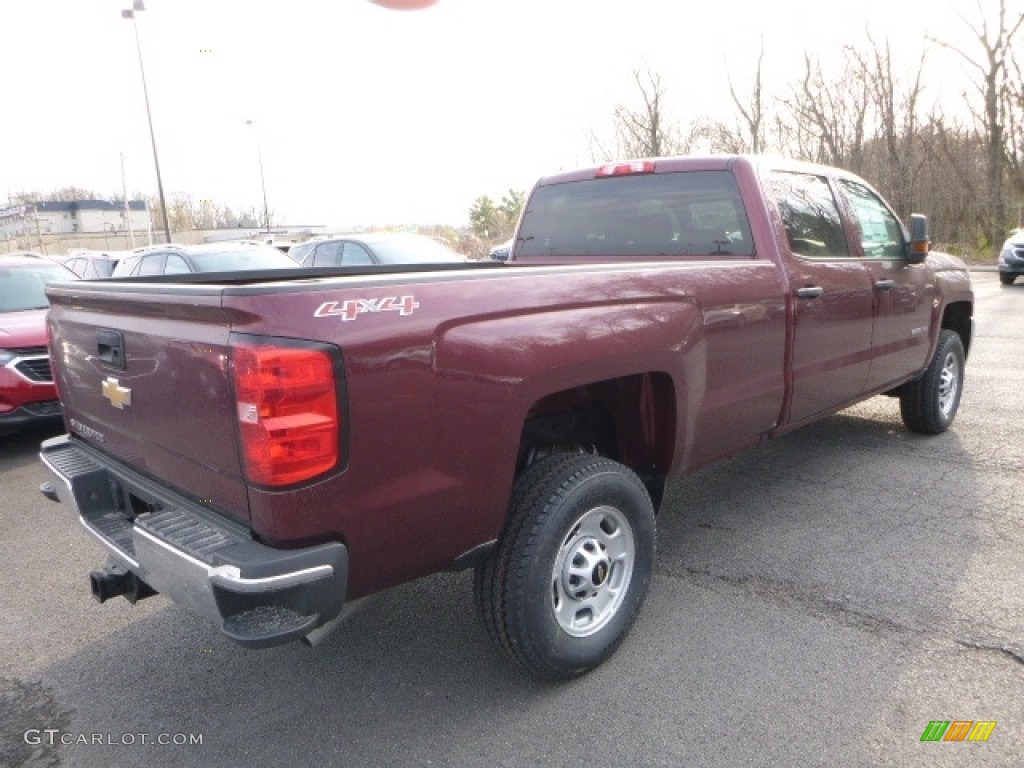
287, 412
625, 169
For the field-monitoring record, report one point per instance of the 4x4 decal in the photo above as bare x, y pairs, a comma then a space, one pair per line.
353, 308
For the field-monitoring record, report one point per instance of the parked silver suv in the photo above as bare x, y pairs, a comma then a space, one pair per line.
1011, 258
208, 257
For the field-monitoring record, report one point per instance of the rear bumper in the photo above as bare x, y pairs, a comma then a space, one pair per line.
258, 595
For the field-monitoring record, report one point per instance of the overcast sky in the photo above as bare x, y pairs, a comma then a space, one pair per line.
368, 116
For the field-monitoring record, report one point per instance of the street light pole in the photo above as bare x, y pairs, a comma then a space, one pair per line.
263, 181
129, 13
127, 207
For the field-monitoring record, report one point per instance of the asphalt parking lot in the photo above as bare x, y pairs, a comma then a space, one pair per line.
816, 601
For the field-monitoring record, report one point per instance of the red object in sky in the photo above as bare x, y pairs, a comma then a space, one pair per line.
404, 5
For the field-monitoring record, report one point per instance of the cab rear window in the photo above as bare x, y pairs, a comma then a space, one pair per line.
684, 214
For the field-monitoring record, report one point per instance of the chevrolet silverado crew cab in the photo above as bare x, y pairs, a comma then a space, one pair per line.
269, 447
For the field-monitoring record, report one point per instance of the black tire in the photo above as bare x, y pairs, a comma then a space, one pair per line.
571, 570
1007, 278
928, 404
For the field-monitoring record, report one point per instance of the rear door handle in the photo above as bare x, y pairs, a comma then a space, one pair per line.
885, 285
810, 293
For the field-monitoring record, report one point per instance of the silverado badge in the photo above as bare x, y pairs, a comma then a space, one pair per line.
118, 396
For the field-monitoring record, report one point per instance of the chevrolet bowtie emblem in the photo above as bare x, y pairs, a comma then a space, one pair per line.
118, 396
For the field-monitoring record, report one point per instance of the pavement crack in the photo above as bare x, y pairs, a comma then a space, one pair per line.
841, 608
836, 607
1017, 656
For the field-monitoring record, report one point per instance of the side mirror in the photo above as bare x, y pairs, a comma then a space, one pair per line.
920, 244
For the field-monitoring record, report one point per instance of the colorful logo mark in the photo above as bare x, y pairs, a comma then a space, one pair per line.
958, 730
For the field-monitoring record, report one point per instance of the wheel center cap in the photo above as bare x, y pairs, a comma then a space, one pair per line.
587, 569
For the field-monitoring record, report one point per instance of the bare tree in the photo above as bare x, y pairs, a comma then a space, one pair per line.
250, 218
205, 215
892, 151
752, 109
992, 70
827, 119
62, 194
950, 179
181, 212
226, 218
70, 194
642, 132
1014, 98
710, 135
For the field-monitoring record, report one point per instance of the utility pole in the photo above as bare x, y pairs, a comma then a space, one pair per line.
263, 181
39, 232
127, 208
129, 13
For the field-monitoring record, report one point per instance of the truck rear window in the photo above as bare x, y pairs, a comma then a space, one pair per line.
690, 213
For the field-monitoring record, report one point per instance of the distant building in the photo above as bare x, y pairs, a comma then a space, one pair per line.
74, 217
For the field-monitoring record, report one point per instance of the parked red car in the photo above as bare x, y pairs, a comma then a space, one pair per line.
27, 392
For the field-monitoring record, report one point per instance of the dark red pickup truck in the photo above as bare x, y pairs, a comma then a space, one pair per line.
267, 448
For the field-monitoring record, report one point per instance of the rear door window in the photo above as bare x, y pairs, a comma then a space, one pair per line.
810, 215
684, 214
354, 253
328, 254
176, 265
301, 253
152, 264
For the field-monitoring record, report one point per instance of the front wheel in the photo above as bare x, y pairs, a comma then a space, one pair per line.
929, 403
572, 568
1007, 278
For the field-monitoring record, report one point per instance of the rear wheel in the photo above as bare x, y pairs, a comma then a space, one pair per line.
929, 403
572, 568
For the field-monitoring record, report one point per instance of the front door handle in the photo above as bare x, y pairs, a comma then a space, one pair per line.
885, 285
812, 292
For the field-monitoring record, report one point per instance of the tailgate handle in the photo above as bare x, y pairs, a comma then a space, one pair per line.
110, 348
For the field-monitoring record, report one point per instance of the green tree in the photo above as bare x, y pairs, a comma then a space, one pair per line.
485, 218
510, 208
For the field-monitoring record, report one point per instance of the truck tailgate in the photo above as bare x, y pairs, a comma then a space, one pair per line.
143, 375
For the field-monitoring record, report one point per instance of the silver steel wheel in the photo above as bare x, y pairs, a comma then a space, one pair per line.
928, 404
592, 571
949, 385
588, 523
